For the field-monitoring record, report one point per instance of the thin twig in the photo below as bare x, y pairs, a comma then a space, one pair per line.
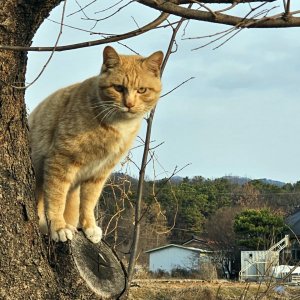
48, 60
288, 7
81, 29
134, 20
209, 35
110, 7
129, 48
205, 7
158, 203
136, 233
234, 4
231, 37
111, 15
162, 17
81, 8
227, 32
176, 87
238, 28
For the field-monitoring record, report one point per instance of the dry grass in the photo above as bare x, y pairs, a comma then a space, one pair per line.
198, 289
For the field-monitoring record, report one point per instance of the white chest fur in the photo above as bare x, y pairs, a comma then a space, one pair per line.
127, 133
91, 169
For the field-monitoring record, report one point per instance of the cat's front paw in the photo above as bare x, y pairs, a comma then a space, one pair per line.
63, 234
94, 234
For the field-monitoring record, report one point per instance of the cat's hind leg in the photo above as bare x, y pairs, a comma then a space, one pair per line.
41, 211
71, 213
89, 193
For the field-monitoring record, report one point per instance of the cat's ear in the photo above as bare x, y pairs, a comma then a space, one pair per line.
110, 57
154, 61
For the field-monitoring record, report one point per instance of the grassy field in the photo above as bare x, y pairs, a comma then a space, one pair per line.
164, 289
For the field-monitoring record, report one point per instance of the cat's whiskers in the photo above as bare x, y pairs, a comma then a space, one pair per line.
108, 114
112, 112
103, 111
101, 105
105, 104
107, 109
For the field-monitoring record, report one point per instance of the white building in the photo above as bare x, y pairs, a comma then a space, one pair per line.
173, 256
258, 265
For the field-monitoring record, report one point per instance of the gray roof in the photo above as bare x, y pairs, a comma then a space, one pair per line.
178, 246
293, 221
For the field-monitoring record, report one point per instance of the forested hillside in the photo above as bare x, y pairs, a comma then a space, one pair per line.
174, 211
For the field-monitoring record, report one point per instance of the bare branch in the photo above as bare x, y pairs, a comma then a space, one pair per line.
115, 216
137, 217
129, 48
223, 1
268, 22
109, 16
205, 7
231, 37
176, 87
48, 60
136, 23
227, 8
233, 31
81, 8
81, 29
209, 35
224, 33
116, 38
110, 7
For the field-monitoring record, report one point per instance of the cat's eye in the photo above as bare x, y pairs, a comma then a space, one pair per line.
119, 88
142, 90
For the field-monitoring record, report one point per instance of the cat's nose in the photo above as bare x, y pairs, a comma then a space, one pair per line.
129, 103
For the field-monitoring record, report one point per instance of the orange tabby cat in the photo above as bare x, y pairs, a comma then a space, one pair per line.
79, 133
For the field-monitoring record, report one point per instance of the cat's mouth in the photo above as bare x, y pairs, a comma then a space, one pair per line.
129, 111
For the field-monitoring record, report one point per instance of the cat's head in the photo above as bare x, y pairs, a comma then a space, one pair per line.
129, 85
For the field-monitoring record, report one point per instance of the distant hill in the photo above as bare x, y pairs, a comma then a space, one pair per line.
120, 177
178, 179
243, 180
237, 179
272, 182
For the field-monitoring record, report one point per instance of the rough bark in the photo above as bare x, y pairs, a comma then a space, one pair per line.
24, 269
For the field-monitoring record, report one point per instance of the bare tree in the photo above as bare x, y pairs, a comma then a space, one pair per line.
24, 268
219, 230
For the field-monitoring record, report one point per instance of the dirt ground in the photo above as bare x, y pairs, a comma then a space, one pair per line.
186, 289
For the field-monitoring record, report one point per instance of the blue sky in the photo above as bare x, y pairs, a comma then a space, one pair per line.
239, 116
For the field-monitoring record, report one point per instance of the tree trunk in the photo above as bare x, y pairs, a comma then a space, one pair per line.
87, 270
25, 272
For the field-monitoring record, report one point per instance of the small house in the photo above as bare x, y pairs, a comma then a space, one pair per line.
196, 242
293, 221
256, 265
172, 256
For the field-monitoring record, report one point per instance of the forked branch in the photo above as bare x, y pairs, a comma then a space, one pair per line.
119, 37
172, 7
